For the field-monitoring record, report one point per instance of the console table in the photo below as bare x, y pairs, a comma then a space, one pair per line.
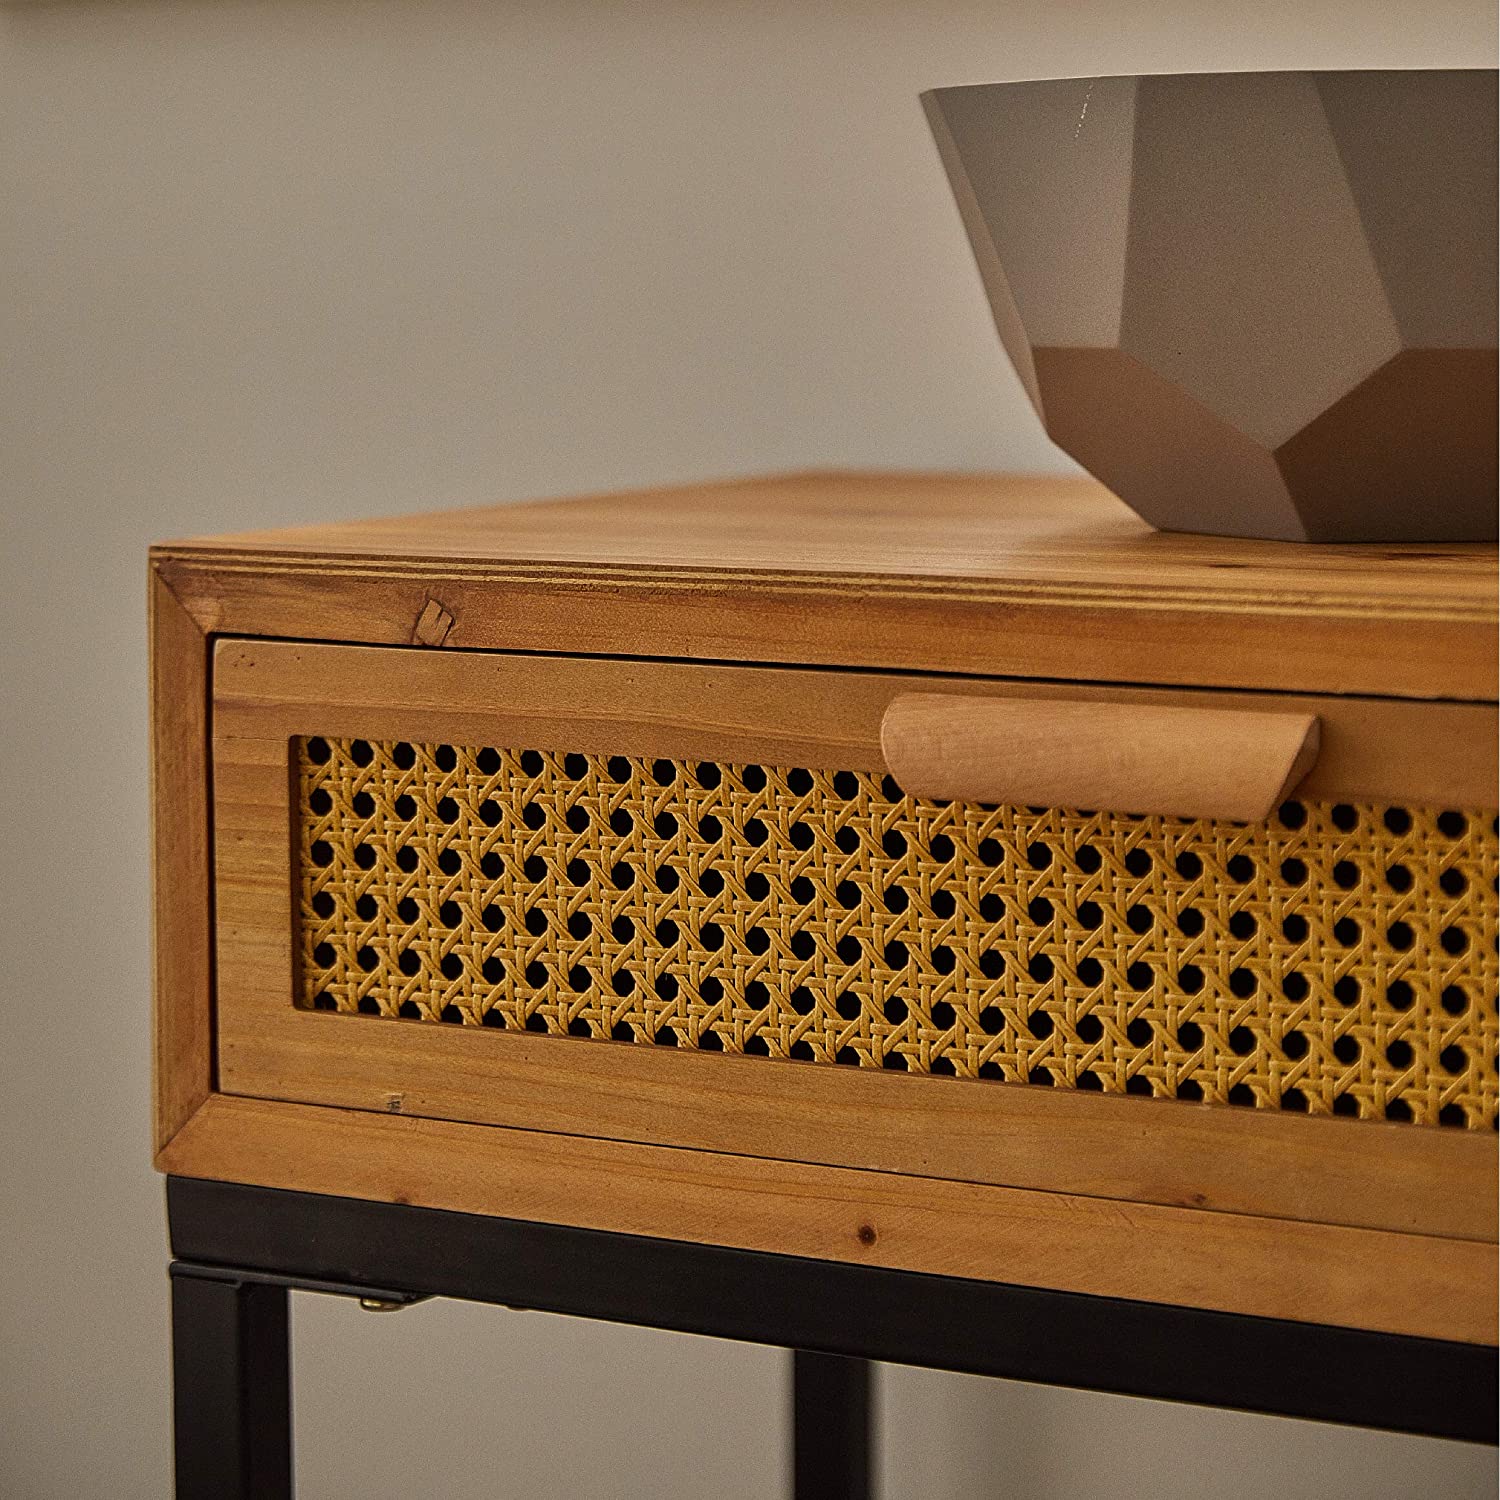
922, 918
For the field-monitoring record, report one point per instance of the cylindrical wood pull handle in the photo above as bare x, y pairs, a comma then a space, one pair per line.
1106, 757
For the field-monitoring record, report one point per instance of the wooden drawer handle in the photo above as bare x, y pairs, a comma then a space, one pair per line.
1105, 757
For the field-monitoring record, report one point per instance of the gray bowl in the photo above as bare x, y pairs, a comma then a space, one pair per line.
1256, 304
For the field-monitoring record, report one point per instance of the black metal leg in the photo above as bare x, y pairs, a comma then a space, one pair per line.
830, 1426
232, 1387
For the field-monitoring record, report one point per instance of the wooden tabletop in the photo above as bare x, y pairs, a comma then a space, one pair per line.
1411, 619
1006, 529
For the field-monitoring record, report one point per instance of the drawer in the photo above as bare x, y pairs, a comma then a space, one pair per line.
690, 905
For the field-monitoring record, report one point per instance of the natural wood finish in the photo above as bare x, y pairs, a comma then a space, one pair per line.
1350, 1172
1048, 578
1067, 533
1182, 761
838, 623
181, 864
1437, 754
1396, 1283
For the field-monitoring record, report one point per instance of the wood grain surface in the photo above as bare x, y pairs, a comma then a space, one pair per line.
1350, 1172
1179, 760
992, 575
181, 865
1425, 754
1358, 1278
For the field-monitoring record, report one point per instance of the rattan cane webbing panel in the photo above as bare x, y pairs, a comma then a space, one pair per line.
1334, 960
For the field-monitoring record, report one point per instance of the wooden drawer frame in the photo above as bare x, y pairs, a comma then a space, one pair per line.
1244, 1210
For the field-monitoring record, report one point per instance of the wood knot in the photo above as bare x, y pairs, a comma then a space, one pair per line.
432, 626
866, 1234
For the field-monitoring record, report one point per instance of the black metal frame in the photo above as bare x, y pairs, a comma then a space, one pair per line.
238, 1249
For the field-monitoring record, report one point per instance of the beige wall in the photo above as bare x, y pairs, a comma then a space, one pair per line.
271, 261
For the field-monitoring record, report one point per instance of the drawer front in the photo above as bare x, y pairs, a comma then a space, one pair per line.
690, 905
1337, 959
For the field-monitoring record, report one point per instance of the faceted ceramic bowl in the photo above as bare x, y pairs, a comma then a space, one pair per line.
1257, 304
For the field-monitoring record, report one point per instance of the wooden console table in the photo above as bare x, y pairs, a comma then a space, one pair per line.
917, 918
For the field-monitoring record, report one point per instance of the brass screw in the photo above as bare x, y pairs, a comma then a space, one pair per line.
381, 1304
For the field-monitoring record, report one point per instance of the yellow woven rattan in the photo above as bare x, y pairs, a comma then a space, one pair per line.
1334, 959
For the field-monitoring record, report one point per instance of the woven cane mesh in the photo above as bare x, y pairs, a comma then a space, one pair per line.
1334, 959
